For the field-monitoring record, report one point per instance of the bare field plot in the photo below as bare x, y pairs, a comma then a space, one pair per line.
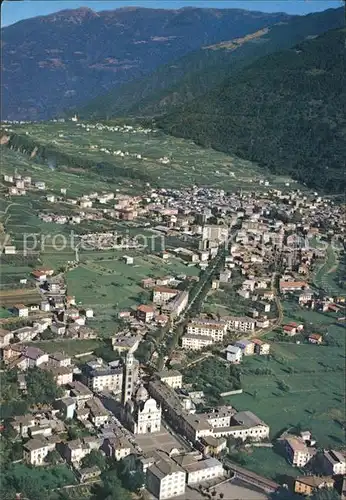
9, 298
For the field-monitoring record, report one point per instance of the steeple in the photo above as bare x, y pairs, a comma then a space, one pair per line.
130, 376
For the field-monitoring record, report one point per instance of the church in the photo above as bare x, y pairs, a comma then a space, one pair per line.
141, 413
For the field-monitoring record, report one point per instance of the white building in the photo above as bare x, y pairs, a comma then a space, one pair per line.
173, 378
299, 453
234, 354
36, 450
334, 462
213, 329
204, 470
22, 310
165, 478
196, 342
143, 414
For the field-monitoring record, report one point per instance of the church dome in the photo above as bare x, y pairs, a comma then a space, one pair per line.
142, 394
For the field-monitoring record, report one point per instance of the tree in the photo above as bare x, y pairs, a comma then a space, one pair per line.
111, 488
53, 457
131, 473
95, 457
41, 387
326, 494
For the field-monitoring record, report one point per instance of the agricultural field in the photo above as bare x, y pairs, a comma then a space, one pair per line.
71, 347
329, 275
107, 284
285, 389
267, 462
24, 296
189, 163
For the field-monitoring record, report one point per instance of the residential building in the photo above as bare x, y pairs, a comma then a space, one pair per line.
165, 478
315, 338
36, 450
247, 346
117, 447
34, 356
262, 348
59, 359
80, 393
67, 406
177, 305
204, 470
127, 342
299, 453
244, 424
196, 342
21, 310
234, 354
161, 294
242, 323
62, 375
145, 313
292, 286
173, 378
98, 376
214, 329
5, 337
307, 485
333, 462
213, 446
88, 473
99, 415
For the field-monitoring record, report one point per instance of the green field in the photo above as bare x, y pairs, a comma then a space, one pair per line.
328, 274
269, 463
71, 347
314, 395
108, 284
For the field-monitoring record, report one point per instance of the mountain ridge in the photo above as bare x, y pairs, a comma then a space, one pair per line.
177, 82
55, 62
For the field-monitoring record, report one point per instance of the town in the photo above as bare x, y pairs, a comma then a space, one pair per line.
233, 281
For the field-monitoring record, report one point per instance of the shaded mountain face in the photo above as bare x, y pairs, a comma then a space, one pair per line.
285, 111
182, 80
54, 62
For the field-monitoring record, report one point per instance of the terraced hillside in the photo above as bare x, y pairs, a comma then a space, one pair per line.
128, 158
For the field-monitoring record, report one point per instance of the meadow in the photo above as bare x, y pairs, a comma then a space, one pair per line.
298, 385
103, 282
71, 347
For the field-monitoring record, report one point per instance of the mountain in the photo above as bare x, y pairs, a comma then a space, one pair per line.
285, 111
191, 76
54, 62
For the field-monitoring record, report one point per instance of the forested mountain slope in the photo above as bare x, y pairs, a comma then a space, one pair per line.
286, 111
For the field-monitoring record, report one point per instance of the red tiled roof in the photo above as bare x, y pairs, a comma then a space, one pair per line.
145, 309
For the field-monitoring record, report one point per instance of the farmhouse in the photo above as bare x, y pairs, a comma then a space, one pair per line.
21, 310
315, 338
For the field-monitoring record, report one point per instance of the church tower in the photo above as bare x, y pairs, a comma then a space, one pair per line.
130, 377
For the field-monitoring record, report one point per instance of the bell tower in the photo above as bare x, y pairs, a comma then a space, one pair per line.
130, 377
